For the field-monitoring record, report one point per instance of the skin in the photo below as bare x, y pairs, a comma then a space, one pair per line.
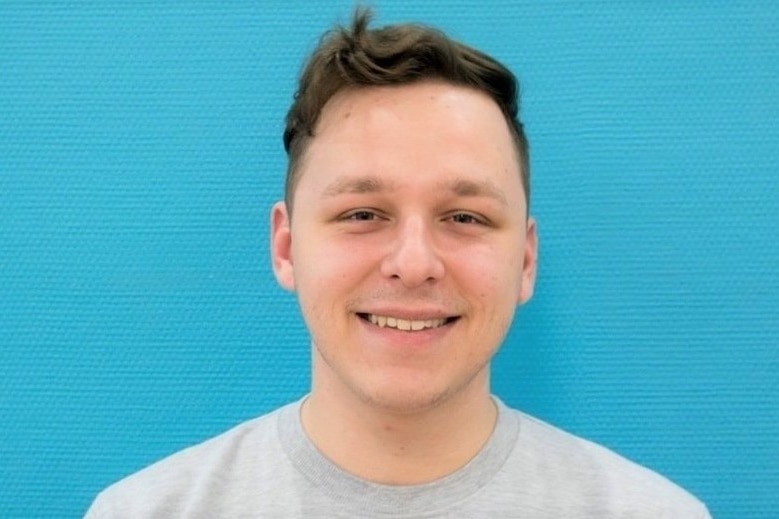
409, 206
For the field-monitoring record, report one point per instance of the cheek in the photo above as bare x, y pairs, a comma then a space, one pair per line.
325, 276
343, 265
314, 257
491, 272
493, 280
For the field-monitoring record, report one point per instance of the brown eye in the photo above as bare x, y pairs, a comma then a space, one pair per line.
464, 218
362, 216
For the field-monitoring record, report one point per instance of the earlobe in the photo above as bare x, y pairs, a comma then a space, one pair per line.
529, 262
281, 246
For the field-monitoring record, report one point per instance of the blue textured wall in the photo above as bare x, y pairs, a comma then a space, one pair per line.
140, 152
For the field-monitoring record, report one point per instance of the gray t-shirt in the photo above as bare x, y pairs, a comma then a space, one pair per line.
267, 467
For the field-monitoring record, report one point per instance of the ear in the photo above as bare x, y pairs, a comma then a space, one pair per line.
281, 246
529, 262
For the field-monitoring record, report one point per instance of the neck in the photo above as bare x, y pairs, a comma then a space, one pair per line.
396, 448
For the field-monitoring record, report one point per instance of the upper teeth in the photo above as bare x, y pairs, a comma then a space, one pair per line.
404, 324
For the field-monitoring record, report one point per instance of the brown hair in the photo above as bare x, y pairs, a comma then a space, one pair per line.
358, 57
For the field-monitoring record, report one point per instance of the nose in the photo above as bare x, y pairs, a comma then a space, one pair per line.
413, 257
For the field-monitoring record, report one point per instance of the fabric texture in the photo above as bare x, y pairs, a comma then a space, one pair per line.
267, 467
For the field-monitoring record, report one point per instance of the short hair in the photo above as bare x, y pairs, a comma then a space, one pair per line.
359, 57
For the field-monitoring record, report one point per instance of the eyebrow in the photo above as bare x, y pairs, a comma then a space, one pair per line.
354, 185
481, 188
461, 187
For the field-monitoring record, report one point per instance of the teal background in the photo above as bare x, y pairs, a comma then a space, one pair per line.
140, 151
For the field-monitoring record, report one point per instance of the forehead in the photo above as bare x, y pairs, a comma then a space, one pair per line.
411, 132
372, 107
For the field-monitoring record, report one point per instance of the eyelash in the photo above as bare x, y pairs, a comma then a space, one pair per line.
358, 215
473, 219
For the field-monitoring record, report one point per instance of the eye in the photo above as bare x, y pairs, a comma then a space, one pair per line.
362, 216
465, 218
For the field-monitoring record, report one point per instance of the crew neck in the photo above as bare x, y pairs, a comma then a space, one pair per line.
359, 495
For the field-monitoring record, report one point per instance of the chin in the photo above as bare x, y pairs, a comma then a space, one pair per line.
399, 399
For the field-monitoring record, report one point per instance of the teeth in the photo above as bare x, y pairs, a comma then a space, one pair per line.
404, 324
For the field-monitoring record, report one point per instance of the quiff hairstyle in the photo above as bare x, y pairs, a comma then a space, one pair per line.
358, 57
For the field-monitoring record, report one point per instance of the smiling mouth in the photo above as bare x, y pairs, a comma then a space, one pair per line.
407, 325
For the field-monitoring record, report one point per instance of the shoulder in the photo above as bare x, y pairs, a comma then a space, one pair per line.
583, 471
210, 467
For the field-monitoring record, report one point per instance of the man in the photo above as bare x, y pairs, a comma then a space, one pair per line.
406, 235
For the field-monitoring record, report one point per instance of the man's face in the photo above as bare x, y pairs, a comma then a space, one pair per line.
409, 247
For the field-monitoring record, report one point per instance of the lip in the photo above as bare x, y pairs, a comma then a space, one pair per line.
418, 314
414, 339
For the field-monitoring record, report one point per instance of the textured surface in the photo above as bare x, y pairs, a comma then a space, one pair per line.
140, 152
